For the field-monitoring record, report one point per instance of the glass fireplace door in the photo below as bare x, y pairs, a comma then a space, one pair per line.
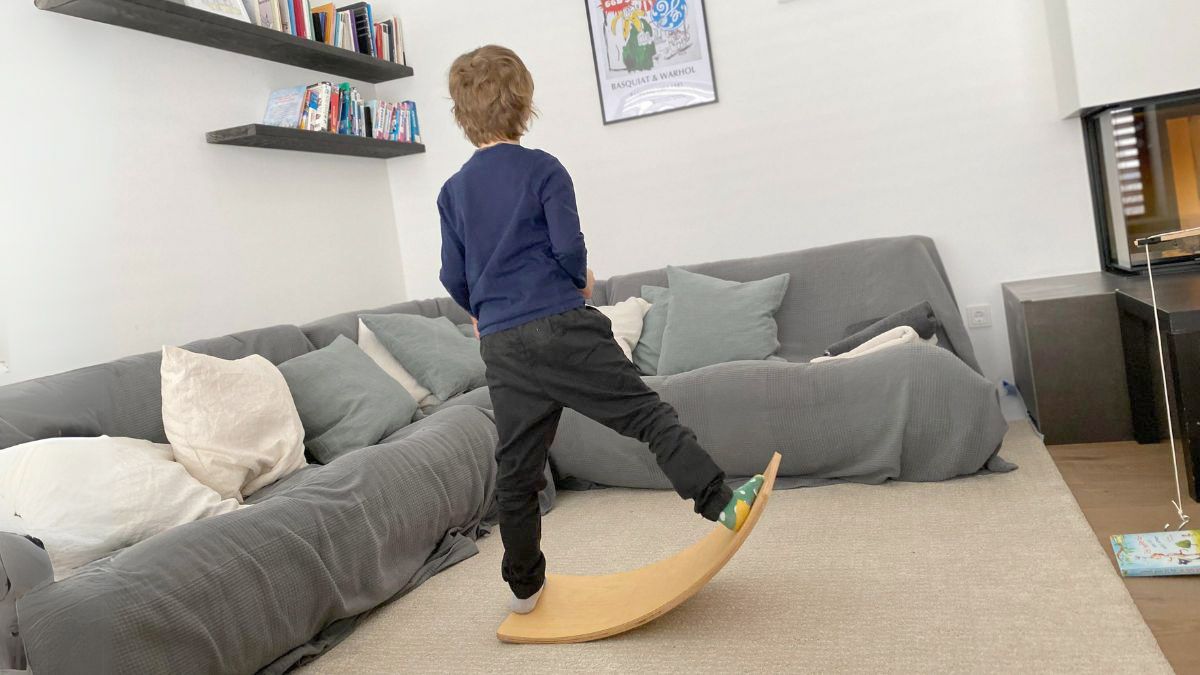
1146, 173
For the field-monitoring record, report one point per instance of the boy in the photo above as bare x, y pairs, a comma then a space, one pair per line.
513, 256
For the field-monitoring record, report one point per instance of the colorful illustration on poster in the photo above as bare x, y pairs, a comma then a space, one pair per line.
651, 56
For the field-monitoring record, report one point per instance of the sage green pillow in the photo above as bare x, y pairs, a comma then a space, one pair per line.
712, 320
434, 351
345, 401
649, 347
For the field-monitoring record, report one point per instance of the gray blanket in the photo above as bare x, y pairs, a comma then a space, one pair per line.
230, 594
911, 413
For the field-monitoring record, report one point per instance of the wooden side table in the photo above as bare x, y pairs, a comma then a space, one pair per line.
1179, 320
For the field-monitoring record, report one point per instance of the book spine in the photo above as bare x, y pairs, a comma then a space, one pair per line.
398, 36
321, 116
1179, 570
370, 26
297, 8
310, 29
285, 24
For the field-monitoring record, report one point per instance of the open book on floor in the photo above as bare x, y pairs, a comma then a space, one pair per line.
1155, 554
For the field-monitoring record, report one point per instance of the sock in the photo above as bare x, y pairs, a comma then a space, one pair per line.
525, 605
739, 507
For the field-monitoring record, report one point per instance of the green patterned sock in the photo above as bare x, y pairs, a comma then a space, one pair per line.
739, 507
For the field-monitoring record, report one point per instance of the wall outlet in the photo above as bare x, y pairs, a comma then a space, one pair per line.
3, 367
979, 316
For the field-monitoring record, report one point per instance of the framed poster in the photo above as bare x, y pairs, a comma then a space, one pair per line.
651, 56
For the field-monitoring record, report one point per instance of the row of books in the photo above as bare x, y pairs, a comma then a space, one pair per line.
341, 109
351, 27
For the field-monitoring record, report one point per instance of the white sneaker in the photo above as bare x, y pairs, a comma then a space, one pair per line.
524, 606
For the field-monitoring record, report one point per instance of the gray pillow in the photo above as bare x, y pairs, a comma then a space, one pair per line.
712, 320
649, 346
433, 350
346, 401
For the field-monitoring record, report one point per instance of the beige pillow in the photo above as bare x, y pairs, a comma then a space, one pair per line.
627, 317
232, 424
369, 343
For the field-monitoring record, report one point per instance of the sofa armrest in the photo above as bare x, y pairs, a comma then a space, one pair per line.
24, 565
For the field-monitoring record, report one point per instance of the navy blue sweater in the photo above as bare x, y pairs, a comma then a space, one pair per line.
512, 251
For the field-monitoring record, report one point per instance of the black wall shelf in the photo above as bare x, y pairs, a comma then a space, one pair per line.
175, 20
283, 138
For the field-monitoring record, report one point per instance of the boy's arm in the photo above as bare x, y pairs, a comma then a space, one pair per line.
454, 268
562, 218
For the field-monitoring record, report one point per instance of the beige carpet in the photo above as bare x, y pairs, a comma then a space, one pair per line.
985, 574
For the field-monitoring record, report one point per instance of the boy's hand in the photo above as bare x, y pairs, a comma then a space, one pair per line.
475, 323
586, 291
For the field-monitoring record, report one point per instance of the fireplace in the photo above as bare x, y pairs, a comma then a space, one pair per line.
1144, 162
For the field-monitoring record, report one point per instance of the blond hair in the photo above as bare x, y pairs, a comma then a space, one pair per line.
493, 95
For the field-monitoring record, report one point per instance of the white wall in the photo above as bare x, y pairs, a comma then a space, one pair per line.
1109, 51
838, 120
122, 230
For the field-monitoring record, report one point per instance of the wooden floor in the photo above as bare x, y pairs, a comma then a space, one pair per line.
1126, 487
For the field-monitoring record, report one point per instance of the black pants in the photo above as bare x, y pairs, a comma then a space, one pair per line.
571, 360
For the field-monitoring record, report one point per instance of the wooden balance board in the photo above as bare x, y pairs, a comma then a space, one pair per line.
579, 609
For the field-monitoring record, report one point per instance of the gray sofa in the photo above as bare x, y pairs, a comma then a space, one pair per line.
267, 586
913, 413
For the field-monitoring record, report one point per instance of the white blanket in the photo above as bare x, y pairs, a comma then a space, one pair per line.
901, 335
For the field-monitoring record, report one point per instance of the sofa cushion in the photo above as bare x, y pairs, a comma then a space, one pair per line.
346, 401
323, 331
626, 318
433, 350
122, 397
714, 321
85, 498
232, 424
369, 342
649, 347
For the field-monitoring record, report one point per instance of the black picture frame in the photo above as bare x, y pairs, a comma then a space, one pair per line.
587, 5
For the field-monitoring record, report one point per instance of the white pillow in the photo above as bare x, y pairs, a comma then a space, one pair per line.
369, 343
232, 424
626, 317
86, 498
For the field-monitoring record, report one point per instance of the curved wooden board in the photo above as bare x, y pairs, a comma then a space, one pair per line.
579, 608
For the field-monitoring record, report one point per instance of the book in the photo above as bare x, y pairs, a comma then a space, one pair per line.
285, 15
251, 10
343, 109
412, 105
234, 9
285, 107
398, 41
297, 9
344, 36
363, 26
335, 107
268, 14
327, 13
1154, 554
319, 120
306, 12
